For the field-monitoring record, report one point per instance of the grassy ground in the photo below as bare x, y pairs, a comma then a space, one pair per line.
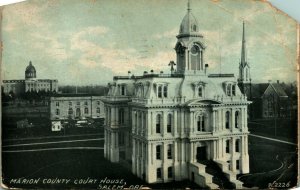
280, 128
70, 164
271, 162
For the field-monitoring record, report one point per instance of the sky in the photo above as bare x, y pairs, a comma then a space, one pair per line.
88, 42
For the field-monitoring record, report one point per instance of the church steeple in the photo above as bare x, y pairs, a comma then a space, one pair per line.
244, 80
244, 68
190, 46
243, 54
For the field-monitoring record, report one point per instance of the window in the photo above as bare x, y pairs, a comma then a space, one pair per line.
57, 104
121, 116
194, 27
98, 110
227, 118
233, 90
70, 111
228, 89
169, 151
159, 94
237, 145
78, 103
227, 146
158, 152
170, 172
158, 122
57, 111
229, 165
236, 119
169, 123
98, 103
237, 164
85, 103
165, 91
70, 103
158, 173
200, 123
86, 110
200, 91
123, 90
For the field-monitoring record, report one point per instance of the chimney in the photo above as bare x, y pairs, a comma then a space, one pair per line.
277, 81
206, 66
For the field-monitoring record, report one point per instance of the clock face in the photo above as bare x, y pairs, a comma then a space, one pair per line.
195, 49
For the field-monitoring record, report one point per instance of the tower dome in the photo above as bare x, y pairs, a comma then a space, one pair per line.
30, 72
189, 25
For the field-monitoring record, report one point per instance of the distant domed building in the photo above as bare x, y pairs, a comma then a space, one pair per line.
31, 83
171, 127
30, 72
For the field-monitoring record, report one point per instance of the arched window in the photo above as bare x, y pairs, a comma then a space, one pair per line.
195, 58
169, 123
200, 91
121, 116
236, 119
159, 93
57, 111
70, 111
98, 110
227, 119
165, 91
194, 28
200, 123
86, 110
237, 145
158, 123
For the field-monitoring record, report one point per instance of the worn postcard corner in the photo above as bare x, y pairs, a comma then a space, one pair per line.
198, 94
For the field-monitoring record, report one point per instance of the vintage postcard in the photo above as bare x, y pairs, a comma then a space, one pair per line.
156, 94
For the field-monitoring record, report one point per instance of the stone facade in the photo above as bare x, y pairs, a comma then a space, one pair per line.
167, 125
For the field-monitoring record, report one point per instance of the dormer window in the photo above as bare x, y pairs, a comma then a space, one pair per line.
199, 89
230, 88
162, 90
122, 89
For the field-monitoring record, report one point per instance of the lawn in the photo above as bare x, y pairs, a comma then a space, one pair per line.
270, 162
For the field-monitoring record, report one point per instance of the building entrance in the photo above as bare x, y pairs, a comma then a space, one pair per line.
201, 153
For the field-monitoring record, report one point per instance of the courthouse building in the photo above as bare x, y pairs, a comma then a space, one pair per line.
169, 126
31, 83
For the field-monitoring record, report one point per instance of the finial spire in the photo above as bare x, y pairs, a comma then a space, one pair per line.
189, 5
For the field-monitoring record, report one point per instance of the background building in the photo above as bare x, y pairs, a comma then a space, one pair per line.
175, 126
30, 84
76, 106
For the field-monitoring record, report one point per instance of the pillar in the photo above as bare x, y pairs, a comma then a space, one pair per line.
175, 132
214, 121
